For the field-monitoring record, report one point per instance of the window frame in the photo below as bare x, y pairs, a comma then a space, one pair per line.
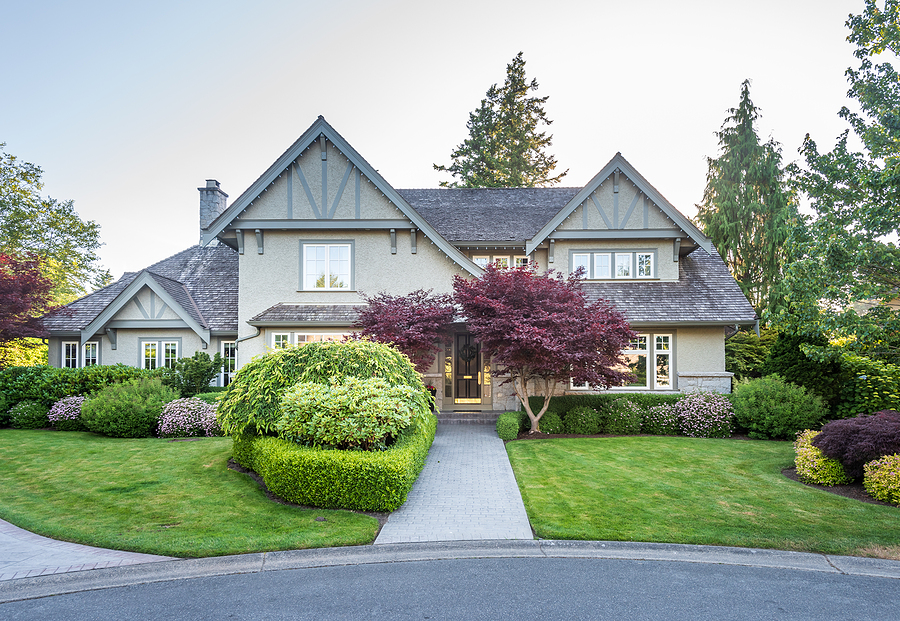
229, 363
653, 355
629, 259
161, 358
306, 244
80, 358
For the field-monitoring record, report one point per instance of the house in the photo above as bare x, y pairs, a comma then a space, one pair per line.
289, 260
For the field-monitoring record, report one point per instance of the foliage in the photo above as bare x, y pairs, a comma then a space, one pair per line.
508, 425
624, 419
747, 211
603, 401
24, 298
28, 415
190, 417
660, 420
65, 415
552, 423
745, 352
253, 399
871, 386
812, 464
771, 408
4, 411
855, 441
23, 353
417, 323
821, 376
882, 479
504, 147
705, 415
65, 245
842, 273
127, 410
361, 480
541, 329
191, 376
50, 384
583, 420
211, 397
354, 413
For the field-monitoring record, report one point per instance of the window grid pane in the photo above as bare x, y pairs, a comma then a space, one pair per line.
581, 260
150, 360
170, 354
623, 265
90, 354
70, 355
601, 265
645, 265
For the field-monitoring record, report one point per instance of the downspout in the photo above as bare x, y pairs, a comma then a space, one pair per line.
247, 338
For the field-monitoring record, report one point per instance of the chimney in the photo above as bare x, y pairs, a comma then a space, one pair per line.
213, 202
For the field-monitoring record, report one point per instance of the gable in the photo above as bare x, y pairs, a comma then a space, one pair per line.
321, 183
618, 203
146, 305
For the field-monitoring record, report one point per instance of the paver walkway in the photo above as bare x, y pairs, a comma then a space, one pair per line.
467, 491
25, 554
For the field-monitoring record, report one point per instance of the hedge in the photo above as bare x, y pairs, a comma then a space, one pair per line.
605, 401
50, 384
328, 478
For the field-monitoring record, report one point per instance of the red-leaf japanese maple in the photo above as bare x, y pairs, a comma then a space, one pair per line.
24, 297
540, 328
417, 324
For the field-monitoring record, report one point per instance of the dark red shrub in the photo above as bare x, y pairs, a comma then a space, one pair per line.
855, 441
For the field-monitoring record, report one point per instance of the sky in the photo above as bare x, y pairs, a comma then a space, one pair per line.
130, 107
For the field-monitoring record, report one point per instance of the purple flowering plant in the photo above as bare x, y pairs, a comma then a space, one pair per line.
65, 415
705, 415
191, 417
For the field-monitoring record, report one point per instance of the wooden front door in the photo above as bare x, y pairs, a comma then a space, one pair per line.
467, 370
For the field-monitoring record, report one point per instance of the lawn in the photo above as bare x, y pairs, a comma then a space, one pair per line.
687, 490
154, 496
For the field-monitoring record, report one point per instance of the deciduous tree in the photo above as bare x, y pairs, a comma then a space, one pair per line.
25, 295
843, 272
747, 210
505, 148
539, 329
417, 324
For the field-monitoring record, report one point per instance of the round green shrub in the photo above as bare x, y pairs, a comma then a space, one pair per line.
508, 425
624, 418
660, 420
127, 410
812, 464
550, 422
882, 478
253, 399
770, 407
353, 413
583, 420
28, 415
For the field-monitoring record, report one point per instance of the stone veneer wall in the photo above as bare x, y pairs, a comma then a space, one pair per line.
715, 382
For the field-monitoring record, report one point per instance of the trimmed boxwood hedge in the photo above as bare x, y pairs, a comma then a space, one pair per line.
360, 480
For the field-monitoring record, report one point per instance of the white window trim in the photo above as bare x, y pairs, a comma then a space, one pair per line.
652, 352
160, 344
225, 371
589, 258
302, 338
305, 245
80, 355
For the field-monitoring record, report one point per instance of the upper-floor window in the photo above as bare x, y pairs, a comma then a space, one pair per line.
503, 261
327, 266
614, 264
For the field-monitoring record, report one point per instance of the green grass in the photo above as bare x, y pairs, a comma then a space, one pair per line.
685, 490
154, 496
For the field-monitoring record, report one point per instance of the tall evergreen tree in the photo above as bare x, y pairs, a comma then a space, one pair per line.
747, 211
504, 148
844, 273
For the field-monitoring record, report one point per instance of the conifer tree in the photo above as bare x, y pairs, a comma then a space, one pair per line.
747, 211
504, 148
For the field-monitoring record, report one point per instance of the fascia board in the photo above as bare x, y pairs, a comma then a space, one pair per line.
308, 137
618, 161
143, 279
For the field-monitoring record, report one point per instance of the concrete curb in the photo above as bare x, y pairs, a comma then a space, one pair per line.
186, 569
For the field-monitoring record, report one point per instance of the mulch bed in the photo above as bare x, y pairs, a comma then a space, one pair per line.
854, 490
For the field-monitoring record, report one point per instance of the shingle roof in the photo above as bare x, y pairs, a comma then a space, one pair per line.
488, 214
704, 293
204, 281
307, 313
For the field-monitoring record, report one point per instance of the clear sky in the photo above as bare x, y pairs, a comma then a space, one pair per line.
130, 107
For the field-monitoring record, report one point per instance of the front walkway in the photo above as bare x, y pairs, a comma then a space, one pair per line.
24, 554
467, 491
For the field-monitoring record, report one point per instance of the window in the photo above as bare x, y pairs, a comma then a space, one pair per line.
521, 261
604, 265
229, 362
70, 355
481, 262
280, 340
90, 354
502, 261
649, 358
327, 266
156, 354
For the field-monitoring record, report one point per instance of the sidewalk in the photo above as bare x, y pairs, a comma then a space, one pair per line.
466, 492
24, 554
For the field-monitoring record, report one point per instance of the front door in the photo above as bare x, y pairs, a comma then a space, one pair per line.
467, 370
